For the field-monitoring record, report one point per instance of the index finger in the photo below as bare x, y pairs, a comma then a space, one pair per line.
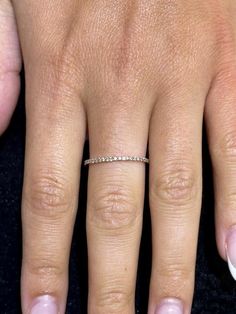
55, 135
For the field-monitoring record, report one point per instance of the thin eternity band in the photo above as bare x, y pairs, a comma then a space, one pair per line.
101, 159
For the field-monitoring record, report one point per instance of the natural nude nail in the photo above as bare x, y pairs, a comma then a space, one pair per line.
231, 251
170, 306
44, 305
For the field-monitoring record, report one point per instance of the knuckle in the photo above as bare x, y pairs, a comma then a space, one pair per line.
58, 70
175, 273
60, 62
45, 268
229, 201
223, 87
175, 185
114, 300
60, 76
114, 207
227, 146
48, 196
224, 35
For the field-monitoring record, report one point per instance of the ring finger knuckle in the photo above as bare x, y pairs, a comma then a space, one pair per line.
114, 207
113, 300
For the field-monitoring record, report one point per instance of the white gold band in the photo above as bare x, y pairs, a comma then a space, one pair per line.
98, 160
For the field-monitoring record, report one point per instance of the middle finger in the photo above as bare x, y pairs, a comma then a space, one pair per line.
175, 197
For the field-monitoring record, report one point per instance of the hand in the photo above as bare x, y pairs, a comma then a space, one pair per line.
125, 73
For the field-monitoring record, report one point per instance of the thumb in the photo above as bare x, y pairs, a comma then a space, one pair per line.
10, 63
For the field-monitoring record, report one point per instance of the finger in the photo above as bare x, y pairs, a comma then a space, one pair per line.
10, 63
220, 115
115, 203
175, 198
54, 146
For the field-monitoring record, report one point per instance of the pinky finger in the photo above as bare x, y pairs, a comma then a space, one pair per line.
10, 63
220, 115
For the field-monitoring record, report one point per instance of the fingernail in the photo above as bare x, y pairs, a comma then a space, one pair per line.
231, 251
44, 305
170, 306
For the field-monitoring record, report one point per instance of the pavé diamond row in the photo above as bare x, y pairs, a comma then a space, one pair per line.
115, 158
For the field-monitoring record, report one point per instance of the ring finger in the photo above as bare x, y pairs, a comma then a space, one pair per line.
115, 205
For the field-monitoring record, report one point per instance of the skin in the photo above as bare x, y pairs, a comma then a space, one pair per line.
127, 75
